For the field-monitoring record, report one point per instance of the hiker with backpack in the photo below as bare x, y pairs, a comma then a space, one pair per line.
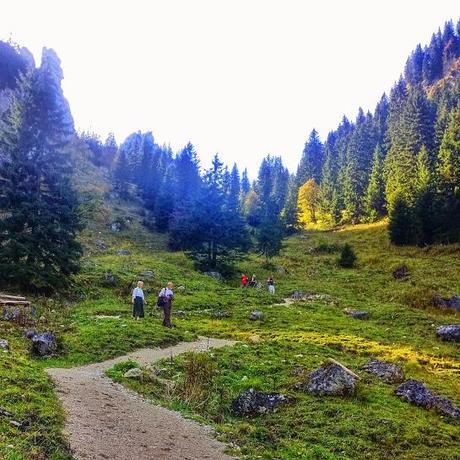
165, 298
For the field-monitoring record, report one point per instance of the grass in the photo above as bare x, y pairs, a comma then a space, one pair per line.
372, 424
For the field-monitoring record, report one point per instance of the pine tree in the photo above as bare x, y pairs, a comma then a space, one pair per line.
426, 212
374, 202
39, 206
121, 175
311, 161
402, 221
245, 184
289, 212
413, 72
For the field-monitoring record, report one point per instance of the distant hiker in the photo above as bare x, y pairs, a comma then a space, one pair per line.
166, 297
271, 285
138, 300
244, 280
253, 282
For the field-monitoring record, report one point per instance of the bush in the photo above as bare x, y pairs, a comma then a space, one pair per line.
347, 257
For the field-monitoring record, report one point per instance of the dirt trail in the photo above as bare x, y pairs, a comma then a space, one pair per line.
107, 421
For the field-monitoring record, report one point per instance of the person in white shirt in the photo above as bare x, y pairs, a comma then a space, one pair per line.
138, 300
167, 295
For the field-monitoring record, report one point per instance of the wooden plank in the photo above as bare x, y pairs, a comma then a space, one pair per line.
14, 302
11, 297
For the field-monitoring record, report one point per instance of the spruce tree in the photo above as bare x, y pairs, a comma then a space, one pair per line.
374, 202
402, 223
39, 205
121, 175
311, 161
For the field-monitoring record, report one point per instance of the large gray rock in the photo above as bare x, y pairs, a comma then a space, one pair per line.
332, 379
256, 315
388, 372
253, 402
417, 393
449, 333
44, 344
109, 279
147, 274
133, 373
4, 345
450, 303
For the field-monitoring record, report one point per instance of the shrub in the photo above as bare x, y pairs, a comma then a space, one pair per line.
347, 257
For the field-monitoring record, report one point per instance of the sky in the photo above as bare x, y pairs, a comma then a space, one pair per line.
242, 78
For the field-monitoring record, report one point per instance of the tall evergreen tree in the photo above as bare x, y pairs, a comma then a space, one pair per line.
311, 161
38, 204
375, 195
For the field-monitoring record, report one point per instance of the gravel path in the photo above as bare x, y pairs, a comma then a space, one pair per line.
107, 421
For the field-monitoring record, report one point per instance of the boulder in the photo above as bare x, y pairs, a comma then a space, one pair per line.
332, 379
401, 272
29, 334
116, 227
4, 345
451, 303
99, 244
356, 313
123, 252
133, 373
147, 274
297, 295
449, 333
181, 288
256, 315
215, 275
109, 279
417, 393
253, 402
44, 344
388, 372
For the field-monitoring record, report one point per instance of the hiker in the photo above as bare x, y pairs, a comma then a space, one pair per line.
138, 300
253, 282
271, 285
244, 280
165, 297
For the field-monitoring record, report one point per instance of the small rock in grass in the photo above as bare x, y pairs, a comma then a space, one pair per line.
253, 402
30, 333
451, 303
180, 313
147, 274
133, 373
100, 245
181, 288
417, 393
123, 252
356, 313
16, 424
388, 372
332, 379
401, 272
44, 344
4, 345
449, 333
109, 279
5, 413
256, 315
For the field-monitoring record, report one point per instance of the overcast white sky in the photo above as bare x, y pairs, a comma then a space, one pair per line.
240, 77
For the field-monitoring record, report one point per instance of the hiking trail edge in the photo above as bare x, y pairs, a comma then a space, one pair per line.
107, 421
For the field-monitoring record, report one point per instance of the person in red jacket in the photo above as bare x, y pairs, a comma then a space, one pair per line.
244, 280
